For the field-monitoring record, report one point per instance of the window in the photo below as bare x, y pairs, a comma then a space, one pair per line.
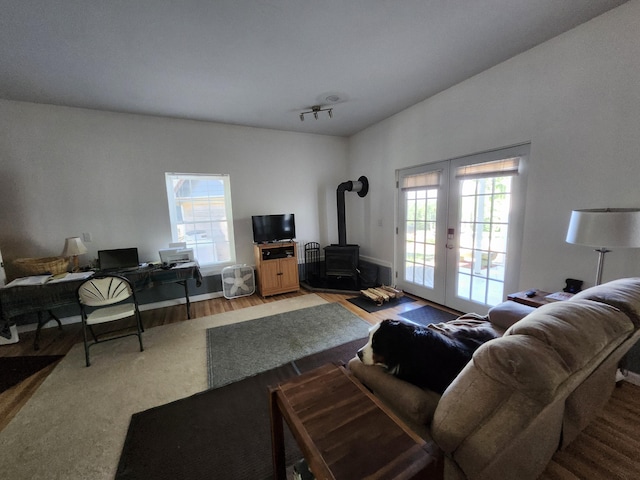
200, 214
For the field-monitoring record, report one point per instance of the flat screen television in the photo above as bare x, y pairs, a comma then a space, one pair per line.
272, 228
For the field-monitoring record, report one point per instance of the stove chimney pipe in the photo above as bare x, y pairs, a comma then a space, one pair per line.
361, 186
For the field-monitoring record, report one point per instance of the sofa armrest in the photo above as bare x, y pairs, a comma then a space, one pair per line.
505, 314
407, 400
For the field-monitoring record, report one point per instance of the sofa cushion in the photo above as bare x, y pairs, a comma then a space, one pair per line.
512, 367
410, 402
580, 332
623, 294
501, 417
512, 395
507, 313
524, 364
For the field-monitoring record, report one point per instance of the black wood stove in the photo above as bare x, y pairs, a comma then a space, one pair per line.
341, 260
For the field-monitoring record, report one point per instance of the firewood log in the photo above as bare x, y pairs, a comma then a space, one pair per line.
391, 293
398, 293
375, 292
373, 297
385, 296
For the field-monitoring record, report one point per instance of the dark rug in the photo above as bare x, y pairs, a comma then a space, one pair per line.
223, 433
370, 307
427, 315
13, 370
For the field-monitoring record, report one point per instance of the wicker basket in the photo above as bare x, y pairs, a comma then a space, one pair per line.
40, 266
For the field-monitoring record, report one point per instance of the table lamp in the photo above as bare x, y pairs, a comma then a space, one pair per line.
605, 228
73, 247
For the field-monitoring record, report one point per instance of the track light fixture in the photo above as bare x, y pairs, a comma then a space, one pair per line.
315, 110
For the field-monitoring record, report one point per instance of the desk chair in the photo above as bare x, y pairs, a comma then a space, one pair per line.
107, 298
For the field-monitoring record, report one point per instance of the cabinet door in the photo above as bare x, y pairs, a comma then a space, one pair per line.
289, 270
269, 276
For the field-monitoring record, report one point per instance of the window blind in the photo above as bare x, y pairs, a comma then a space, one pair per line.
496, 168
421, 180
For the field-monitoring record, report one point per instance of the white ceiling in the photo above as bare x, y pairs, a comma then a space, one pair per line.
261, 62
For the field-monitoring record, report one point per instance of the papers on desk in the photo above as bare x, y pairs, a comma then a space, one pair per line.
27, 281
42, 279
69, 277
184, 265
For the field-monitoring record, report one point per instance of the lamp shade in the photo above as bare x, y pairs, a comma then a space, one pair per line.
605, 227
73, 246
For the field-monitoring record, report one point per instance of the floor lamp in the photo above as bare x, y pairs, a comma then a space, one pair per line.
605, 228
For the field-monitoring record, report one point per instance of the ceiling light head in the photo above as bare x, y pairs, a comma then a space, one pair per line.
316, 109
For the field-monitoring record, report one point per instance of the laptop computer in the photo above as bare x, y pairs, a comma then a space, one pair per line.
118, 260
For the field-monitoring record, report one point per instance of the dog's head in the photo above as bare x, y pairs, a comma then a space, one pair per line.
386, 343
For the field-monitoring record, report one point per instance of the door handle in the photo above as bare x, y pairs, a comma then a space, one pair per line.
450, 234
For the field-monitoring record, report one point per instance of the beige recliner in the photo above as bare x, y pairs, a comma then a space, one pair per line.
526, 394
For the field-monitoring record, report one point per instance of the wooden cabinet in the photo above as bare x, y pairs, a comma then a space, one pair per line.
276, 268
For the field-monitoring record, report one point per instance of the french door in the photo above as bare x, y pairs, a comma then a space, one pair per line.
460, 228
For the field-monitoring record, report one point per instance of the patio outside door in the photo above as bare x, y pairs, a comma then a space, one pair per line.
460, 229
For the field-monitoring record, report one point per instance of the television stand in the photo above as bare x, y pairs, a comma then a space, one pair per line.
276, 268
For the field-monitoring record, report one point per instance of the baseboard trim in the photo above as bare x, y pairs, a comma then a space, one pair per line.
29, 327
632, 377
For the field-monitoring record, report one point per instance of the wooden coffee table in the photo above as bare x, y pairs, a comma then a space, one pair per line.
344, 432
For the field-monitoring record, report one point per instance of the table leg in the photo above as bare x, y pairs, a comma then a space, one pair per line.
186, 296
42, 323
277, 437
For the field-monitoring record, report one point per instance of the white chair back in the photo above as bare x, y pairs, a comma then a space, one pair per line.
98, 292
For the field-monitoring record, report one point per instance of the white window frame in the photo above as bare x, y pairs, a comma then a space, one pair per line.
207, 261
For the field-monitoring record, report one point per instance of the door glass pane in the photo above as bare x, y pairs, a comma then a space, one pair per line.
484, 213
420, 234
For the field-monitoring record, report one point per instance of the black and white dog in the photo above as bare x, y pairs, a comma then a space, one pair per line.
421, 355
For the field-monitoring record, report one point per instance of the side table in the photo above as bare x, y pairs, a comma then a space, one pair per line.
536, 301
540, 298
345, 432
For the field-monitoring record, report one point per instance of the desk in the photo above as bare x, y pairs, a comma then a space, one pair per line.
20, 300
345, 432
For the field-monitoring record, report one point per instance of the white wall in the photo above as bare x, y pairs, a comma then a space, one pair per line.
65, 171
576, 98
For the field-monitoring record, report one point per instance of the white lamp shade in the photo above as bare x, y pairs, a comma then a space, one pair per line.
73, 246
605, 227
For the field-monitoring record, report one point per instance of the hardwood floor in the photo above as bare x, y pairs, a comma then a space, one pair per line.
58, 342
619, 419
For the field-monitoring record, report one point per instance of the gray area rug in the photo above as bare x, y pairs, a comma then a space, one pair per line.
243, 349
